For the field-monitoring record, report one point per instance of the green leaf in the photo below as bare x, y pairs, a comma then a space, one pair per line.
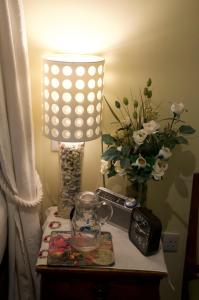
181, 140
133, 158
186, 129
117, 104
111, 154
108, 139
112, 172
126, 150
125, 101
125, 163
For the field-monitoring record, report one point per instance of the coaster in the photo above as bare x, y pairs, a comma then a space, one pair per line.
61, 253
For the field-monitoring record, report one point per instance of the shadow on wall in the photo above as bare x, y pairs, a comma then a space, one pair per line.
172, 192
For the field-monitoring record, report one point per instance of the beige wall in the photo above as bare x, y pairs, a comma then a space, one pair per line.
138, 38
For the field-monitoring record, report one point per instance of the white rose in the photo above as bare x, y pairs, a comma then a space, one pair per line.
165, 152
151, 127
140, 162
159, 169
139, 136
118, 168
105, 165
177, 108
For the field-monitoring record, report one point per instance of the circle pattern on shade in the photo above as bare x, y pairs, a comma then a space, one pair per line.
66, 134
55, 120
92, 70
55, 69
80, 71
46, 94
67, 70
55, 82
91, 96
46, 117
55, 108
78, 134
66, 109
72, 95
55, 96
66, 122
90, 121
79, 122
67, 97
79, 97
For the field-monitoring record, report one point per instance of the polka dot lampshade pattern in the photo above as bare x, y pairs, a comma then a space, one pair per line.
72, 97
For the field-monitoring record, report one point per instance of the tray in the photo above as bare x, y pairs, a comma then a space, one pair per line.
61, 253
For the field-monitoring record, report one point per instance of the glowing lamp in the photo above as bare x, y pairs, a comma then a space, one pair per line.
72, 104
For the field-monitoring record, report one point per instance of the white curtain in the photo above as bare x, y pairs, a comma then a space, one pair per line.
19, 183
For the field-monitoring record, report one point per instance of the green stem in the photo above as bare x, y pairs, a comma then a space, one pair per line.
172, 123
142, 105
112, 111
128, 113
122, 115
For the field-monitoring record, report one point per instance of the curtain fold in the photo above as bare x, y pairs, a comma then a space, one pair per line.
18, 177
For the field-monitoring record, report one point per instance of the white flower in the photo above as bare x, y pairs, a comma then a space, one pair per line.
119, 148
165, 152
139, 136
118, 168
177, 108
140, 162
105, 165
151, 127
159, 169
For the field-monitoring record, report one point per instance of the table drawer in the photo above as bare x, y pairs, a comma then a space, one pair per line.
91, 288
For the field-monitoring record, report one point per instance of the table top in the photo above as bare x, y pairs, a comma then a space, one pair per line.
127, 257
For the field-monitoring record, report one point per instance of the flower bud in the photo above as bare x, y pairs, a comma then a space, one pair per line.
149, 82
125, 101
117, 104
135, 115
177, 108
135, 103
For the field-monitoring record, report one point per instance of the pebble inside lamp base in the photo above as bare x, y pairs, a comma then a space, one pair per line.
70, 156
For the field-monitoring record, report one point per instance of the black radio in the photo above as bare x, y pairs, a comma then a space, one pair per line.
122, 207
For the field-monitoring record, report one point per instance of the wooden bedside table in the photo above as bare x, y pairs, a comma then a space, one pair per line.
133, 276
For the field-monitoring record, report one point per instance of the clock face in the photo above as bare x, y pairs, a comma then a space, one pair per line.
140, 231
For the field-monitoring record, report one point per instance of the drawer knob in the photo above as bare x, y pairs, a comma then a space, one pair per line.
100, 292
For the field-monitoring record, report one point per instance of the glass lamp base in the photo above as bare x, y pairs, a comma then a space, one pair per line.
70, 169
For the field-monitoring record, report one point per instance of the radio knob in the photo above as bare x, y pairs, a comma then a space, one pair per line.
130, 202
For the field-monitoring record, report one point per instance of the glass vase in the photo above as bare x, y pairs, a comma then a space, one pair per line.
137, 190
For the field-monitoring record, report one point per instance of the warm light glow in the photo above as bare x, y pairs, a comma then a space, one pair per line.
74, 59
82, 26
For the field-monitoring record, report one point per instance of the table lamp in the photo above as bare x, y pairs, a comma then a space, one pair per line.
72, 104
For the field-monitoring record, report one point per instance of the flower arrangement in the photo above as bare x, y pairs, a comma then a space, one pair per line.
142, 143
